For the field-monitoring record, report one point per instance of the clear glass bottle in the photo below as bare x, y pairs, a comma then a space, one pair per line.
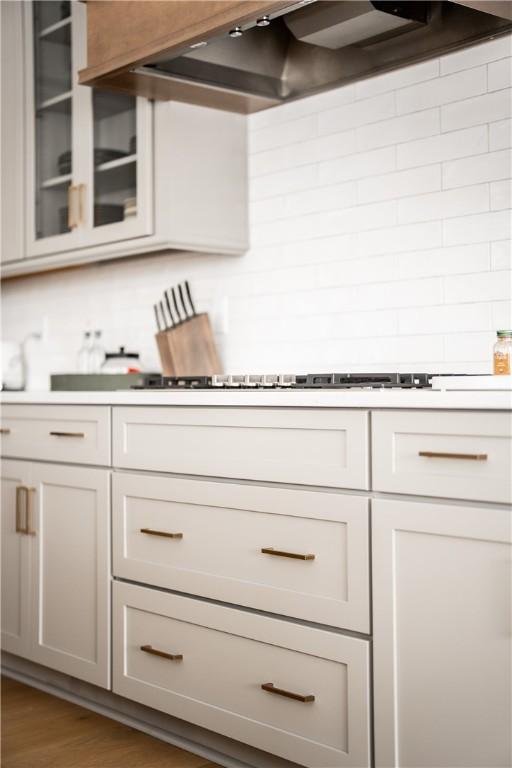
97, 354
84, 353
502, 356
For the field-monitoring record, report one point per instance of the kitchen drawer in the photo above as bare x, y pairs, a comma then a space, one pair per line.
207, 538
222, 657
64, 433
446, 454
307, 446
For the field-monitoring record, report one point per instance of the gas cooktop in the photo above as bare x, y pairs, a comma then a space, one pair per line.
291, 381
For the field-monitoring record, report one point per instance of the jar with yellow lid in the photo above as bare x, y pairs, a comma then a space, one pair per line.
503, 353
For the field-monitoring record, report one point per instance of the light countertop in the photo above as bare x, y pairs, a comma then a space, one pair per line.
382, 398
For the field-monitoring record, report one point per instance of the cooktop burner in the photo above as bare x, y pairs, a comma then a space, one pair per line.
290, 381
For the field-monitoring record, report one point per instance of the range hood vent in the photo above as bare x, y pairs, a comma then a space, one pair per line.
312, 46
336, 25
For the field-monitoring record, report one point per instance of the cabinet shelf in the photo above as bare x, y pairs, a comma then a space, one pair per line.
56, 181
59, 103
118, 163
58, 32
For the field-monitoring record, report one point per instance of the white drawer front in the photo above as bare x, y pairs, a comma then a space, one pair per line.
455, 455
306, 446
77, 434
227, 655
207, 539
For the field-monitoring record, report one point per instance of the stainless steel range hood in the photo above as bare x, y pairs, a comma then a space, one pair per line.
313, 46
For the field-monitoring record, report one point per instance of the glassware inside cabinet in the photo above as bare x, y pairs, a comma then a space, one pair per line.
115, 157
53, 114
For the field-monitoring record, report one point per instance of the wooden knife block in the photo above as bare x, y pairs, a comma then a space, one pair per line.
189, 349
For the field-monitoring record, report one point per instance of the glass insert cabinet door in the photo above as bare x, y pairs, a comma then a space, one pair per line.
89, 152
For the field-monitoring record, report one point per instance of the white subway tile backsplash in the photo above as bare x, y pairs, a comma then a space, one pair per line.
502, 315
446, 146
445, 318
445, 261
482, 109
283, 182
283, 134
480, 168
332, 197
499, 74
357, 166
398, 78
486, 286
443, 205
501, 255
373, 245
466, 346
399, 184
401, 238
501, 195
500, 135
479, 228
404, 128
476, 55
360, 113
442, 90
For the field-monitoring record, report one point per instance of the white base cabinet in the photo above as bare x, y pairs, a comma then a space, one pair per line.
293, 691
55, 567
442, 635
15, 561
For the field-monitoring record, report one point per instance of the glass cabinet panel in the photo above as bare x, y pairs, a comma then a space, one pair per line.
53, 115
115, 157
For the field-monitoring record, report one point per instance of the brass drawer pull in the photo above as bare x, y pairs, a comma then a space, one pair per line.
164, 534
4, 431
440, 455
280, 553
24, 491
270, 687
67, 434
162, 654
21, 490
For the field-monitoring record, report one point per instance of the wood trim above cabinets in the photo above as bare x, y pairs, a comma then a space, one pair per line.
128, 33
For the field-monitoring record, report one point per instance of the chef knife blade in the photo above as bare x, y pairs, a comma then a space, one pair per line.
169, 310
182, 299
189, 295
174, 301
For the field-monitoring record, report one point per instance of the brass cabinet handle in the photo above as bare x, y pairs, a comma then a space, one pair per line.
81, 205
164, 534
280, 553
162, 654
71, 217
21, 490
26, 492
4, 431
440, 455
270, 688
67, 434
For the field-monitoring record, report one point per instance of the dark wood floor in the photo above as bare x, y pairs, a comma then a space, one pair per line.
41, 731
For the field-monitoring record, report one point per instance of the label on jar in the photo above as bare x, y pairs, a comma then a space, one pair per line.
502, 363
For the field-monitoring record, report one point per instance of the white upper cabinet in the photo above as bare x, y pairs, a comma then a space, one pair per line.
98, 174
11, 146
89, 153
